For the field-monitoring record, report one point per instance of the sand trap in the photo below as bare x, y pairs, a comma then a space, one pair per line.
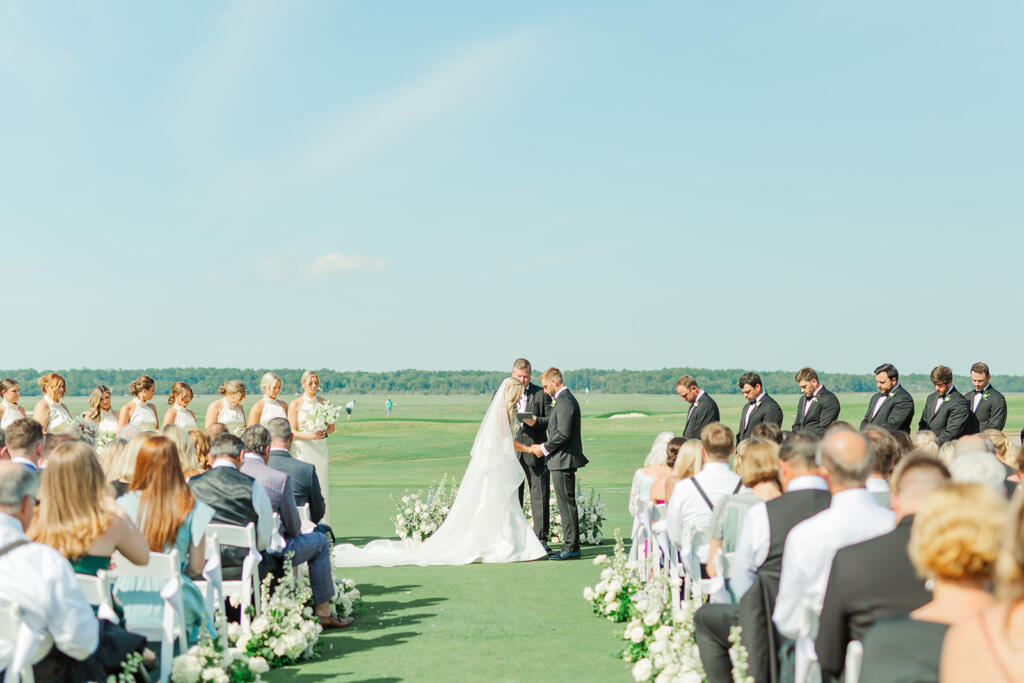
618, 415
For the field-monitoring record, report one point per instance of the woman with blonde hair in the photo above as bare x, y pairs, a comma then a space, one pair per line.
269, 406
954, 542
139, 412
655, 468
179, 414
201, 441
311, 422
186, 451
10, 411
101, 420
113, 459
688, 463
49, 411
228, 410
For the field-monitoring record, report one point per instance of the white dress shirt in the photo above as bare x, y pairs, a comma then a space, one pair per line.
977, 399
853, 516
260, 503
688, 514
809, 401
755, 537
43, 584
749, 408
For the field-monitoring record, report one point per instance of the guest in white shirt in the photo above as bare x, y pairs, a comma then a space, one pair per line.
853, 516
692, 504
51, 600
25, 443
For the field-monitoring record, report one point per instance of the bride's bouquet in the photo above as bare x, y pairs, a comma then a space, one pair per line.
418, 515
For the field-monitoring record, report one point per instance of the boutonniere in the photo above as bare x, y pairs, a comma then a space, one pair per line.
984, 395
813, 400
945, 399
553, 402
757, 404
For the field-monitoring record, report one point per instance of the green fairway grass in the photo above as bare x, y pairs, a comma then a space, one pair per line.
512, 622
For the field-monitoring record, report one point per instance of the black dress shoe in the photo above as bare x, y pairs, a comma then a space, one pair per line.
546, 548
565, 555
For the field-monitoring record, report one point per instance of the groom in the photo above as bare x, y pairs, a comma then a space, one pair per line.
563, 455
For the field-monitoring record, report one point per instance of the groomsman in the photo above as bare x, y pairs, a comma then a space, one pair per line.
703, 409
946, 412
535, 401
987, 404
760, 406
817, 408
892, 406
563, 455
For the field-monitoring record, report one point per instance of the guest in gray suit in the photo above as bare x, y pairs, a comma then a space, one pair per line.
309, 548
563, 455
305, 484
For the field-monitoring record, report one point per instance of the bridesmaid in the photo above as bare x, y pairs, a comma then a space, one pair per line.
139, 412
228, 410
100, 413
310, 434
179, 414
268, 407
10, 411
49, 411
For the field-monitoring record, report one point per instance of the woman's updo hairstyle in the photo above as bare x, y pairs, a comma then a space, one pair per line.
141, 384
232, 386
268, 380
7, 384
51, 380
179, 389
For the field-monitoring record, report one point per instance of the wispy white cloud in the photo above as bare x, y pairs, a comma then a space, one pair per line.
336, 262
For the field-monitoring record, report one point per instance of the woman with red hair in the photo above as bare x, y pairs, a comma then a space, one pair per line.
49, 411
163, 507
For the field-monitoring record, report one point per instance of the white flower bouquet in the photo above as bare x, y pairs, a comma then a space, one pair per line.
612, 596
347, 597
209, 660
286, 631
322, 415
590, 516
420, 514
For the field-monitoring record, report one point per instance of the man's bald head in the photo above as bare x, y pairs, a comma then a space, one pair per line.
846, 457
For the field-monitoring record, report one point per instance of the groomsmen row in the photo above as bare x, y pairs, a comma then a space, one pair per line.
947, 412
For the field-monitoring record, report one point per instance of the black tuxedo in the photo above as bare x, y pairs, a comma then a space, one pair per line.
765, 410
869, 581
703, 412
537, 476
305, 484
824, 411
953, 419
991, 412
896, 412
564, 448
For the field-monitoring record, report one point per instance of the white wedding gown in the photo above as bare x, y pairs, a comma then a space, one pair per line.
485, 524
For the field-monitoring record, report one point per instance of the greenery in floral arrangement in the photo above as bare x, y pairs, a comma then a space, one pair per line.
130, 667
420, 514
286, 631
738, 656
590, 514
611, 597
347, 598
210, 660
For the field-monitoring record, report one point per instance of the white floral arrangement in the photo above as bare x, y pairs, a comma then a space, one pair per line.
738, 656
209, 660
320, 417
418, 515
590, 516
612, 596
347, 597
286, 631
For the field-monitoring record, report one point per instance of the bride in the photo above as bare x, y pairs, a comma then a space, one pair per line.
486, 523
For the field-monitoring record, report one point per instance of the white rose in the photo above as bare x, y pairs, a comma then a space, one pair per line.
405, 499
588, 594
663, 632
637, 636
615, 585
652, 617
657, 647
612, 608
417, 537
642, 670
259, 625
600, 559
607, 573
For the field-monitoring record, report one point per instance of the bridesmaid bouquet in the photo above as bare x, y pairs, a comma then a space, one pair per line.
322, 415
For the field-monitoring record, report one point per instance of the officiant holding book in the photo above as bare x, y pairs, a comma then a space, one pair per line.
536, 404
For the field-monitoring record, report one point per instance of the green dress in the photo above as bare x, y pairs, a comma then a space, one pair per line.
90, 565
140, 595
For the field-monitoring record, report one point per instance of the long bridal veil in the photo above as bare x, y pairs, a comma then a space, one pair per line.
485, 524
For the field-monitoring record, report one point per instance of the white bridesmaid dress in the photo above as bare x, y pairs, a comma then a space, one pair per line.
232, 418
271, 410
144, 417
60, 420
184, 418
315, 452
12, 413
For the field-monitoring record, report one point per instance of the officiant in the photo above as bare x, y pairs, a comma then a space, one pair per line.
538, 404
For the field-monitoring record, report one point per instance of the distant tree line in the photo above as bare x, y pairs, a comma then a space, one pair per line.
81, 381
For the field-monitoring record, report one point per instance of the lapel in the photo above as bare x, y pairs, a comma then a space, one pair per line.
935, 411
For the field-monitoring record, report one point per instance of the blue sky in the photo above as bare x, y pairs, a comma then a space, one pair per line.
450, 185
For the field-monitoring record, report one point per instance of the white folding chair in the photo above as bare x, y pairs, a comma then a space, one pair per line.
306, 522
805, 654
97, 593
854, 658
30, 646
249, 584
171, 628
212, 583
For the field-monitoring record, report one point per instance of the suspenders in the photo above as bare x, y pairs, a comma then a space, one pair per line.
704, 495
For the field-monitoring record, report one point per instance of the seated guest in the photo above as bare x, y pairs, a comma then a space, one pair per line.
687, 464
925, 442
754, 573
162, 505
955, 542
987, 647
305, 484
1003, 451
904, 446
215, 429
186, 451
25, 443
201, 442
117, 468
236, 498
980, 468
885, 448
875, 579
853, 516
655, 467
51, 600
311, 548
759, 471
768, 431
688, 516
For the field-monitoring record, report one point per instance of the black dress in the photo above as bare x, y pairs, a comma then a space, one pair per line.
903, 650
